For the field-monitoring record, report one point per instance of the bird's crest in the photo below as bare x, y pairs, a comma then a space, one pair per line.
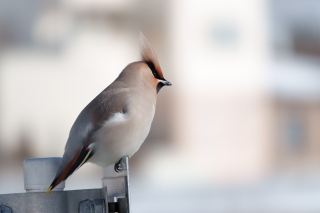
150, 57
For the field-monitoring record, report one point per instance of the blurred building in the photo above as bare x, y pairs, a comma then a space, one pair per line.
244, 107
252, 98
295, 81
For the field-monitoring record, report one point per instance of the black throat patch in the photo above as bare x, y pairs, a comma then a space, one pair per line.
159, 86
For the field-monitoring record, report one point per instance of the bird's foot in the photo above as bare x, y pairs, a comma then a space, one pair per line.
120, 165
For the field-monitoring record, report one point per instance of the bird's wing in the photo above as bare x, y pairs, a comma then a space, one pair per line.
92, 117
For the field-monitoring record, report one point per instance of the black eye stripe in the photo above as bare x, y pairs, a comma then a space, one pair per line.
153, 69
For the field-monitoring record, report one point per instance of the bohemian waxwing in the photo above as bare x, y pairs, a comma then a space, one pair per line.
118, 120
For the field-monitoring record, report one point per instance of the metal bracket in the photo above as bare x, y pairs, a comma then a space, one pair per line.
116, 187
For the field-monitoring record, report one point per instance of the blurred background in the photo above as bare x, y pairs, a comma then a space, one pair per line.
237, 132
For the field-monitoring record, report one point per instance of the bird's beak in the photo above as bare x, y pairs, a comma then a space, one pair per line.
165, 82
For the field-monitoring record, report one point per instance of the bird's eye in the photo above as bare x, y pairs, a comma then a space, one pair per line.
153, 69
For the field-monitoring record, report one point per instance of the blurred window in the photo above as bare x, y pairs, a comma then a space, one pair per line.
296, 27
294, 132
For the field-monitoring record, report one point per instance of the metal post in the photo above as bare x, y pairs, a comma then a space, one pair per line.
39, 172
116, 187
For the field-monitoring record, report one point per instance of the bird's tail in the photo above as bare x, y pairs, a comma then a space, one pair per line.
82, 156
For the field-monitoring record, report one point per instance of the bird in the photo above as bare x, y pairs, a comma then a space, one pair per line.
117, 121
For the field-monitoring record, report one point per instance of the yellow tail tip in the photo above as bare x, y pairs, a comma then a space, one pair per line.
48, 190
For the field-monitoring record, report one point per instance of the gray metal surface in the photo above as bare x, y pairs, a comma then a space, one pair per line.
56, 202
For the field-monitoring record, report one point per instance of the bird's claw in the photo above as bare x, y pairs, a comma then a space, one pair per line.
117, 168
120, 166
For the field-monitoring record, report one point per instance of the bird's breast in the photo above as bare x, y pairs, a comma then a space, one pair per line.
122, 134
